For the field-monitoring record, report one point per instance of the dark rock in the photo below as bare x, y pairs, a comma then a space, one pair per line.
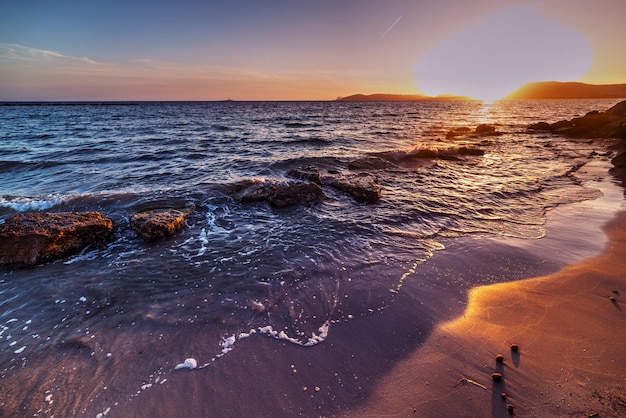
485, 129
157, 224
281, 194
309, 173
460, 131
395, 155
620, 160
448, 156
362, 187
618, 110
370, 163
561, 124
422, 153
609, 124
541, 126
471, 151
44, 236
296, 194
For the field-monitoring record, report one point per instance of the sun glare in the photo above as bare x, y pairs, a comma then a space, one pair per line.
500, 53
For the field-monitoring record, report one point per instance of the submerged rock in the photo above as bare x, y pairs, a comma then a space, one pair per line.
371, 163
362, 187
471, 151
157, 224
280, 194
485, 129
308, 173
45, 236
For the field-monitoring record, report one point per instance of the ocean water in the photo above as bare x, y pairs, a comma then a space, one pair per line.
239, 269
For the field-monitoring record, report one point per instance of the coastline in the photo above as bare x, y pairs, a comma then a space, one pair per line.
411, 358
569, 325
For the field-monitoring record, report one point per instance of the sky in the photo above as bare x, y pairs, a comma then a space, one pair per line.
302, 50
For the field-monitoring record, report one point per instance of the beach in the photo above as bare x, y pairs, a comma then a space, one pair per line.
330, 305
433, 351
569, 327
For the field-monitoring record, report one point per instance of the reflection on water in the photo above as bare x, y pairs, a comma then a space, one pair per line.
117, 318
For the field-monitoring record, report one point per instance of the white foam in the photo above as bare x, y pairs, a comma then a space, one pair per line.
25, 204
227, 344
104, 413
20, 350
189, 363
204, 241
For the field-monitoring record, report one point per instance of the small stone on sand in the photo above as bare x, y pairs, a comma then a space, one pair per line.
510, 408
499, 358
497, 377
515, 348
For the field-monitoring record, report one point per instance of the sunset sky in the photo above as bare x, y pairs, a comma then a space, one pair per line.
291, 50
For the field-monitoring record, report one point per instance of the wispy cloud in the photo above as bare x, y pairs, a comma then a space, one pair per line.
16, 52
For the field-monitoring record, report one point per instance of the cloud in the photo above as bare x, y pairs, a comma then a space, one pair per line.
35, 74
16, 52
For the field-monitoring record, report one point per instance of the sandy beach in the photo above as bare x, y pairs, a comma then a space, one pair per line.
570, 328
433, 351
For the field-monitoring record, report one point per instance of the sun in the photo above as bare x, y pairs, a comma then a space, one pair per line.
500, 53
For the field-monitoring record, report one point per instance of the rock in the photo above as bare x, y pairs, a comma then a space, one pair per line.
608, 124
395, 155
471, 151
460, 131
540, 126
562, 124
157, 224
45, 236
296, 194
370, 163
362, 187
618, 110
281, 194
309, 173
422, 153
485, 129
620, 160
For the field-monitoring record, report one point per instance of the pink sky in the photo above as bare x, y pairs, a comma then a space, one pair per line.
279, 50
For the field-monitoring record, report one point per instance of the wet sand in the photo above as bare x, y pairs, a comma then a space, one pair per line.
570, 327
430, 353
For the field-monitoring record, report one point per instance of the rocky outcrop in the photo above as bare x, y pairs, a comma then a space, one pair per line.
608, 124
34, 238
280, 194
157, 224
620, 160
480, 130
371, 163
362, 187
308, 173
485, 129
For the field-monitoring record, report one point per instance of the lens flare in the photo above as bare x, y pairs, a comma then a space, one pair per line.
501, 52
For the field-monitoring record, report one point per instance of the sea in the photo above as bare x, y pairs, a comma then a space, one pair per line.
83, 335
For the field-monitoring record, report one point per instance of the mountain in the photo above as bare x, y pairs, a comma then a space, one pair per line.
568, 90
396, 98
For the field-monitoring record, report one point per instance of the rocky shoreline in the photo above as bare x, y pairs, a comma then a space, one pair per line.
39, 237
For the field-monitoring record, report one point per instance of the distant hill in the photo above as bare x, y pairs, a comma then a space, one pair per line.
569, 90
396, 98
